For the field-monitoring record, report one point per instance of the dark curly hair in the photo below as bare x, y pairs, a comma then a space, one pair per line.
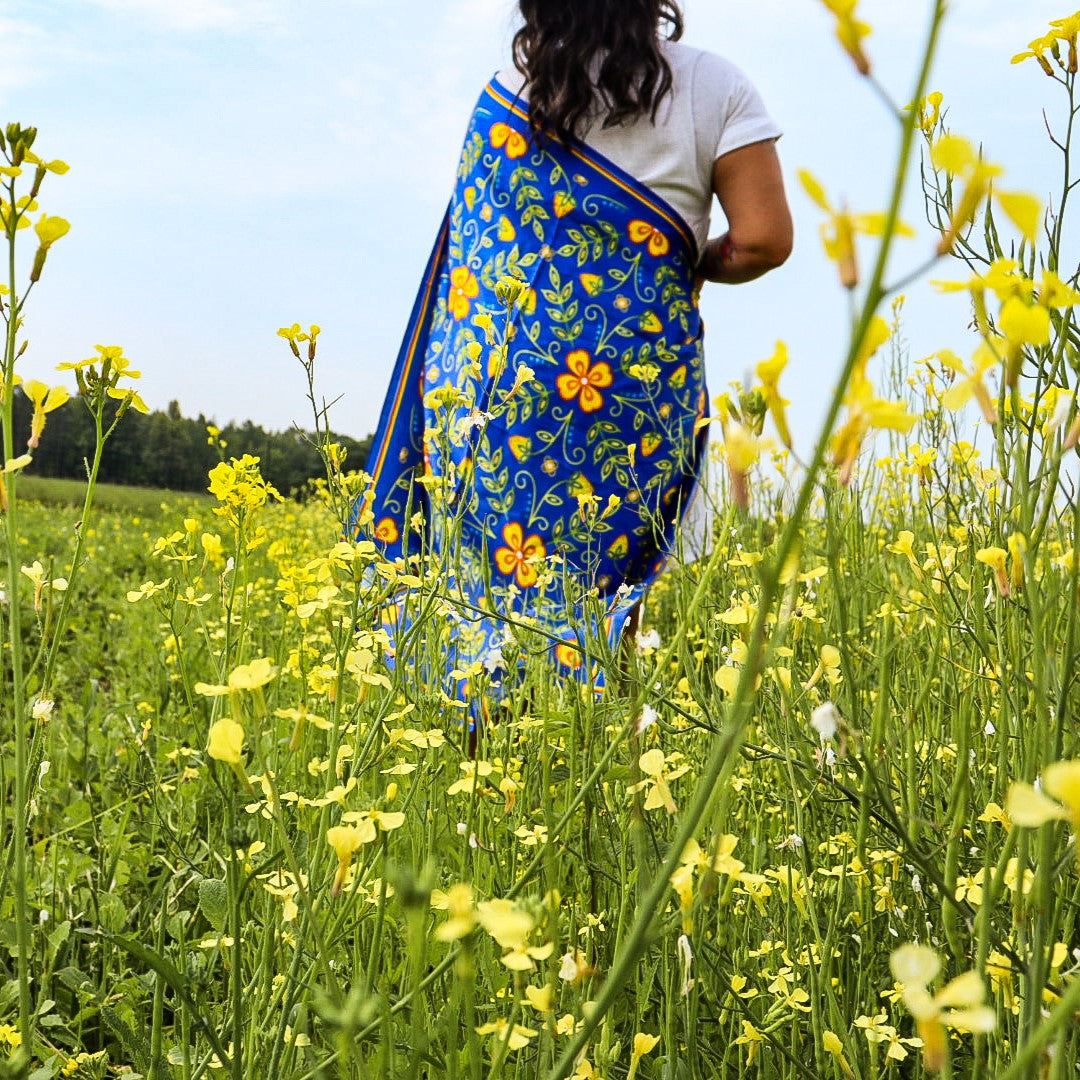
556, 48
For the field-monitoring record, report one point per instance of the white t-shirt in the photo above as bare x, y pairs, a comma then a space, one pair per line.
712, 109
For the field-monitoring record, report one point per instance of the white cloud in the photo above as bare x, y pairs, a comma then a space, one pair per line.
478, 18
31, 54
199, 15
23, 42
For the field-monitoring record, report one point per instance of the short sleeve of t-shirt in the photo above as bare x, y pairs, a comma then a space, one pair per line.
728, 110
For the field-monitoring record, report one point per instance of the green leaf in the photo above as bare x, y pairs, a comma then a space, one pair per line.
178, 985
112, 912
57, 937
214, 902
77, 981
135, 1046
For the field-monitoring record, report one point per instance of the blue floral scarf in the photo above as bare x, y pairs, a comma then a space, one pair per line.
541, 436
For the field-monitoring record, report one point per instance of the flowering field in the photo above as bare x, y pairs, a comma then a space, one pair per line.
821, 821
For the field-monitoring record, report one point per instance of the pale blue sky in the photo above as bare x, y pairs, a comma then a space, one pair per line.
242, 164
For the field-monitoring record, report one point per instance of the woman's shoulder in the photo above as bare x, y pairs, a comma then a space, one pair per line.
705, 70
511, 81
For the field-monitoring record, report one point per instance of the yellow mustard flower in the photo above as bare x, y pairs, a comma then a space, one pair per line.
541, 998
517, 1038
928, 111
769, 371
226, 744
970, 384
129, 399
36, 573
878, 1032
585, 1069
643, 1044
346, 840
507, 923
1064, 29
830, 1041
904, 545
742, 448
841, 227
49, 230
251, 676
865, 410
956, 156
1037, 50
959, 1005
1057, 799
458, 902
45, 399
1067, 29
850, 32
1023, 325
995, 557
10, 1036
969, 887
752, 1039
659, 769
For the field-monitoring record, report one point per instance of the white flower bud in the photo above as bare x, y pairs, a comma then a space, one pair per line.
648, 717
824, 720
686, 956
42, 708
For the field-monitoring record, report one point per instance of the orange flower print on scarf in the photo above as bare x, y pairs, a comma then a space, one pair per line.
641, 232
504, 135
463, 288
584, 381
568, 655
520, 555
387, 531
564, 203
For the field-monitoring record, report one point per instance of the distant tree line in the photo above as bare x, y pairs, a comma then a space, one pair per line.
169, 450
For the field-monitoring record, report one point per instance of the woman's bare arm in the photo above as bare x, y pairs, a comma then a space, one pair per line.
749, 184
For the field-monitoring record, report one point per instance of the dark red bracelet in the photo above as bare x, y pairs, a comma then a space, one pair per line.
717, 255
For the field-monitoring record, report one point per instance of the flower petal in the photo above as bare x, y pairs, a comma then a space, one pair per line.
1031, 808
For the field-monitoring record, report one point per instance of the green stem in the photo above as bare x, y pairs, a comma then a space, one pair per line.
158, 1007
76, 559
18, 696
235, 924
1062, 1013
